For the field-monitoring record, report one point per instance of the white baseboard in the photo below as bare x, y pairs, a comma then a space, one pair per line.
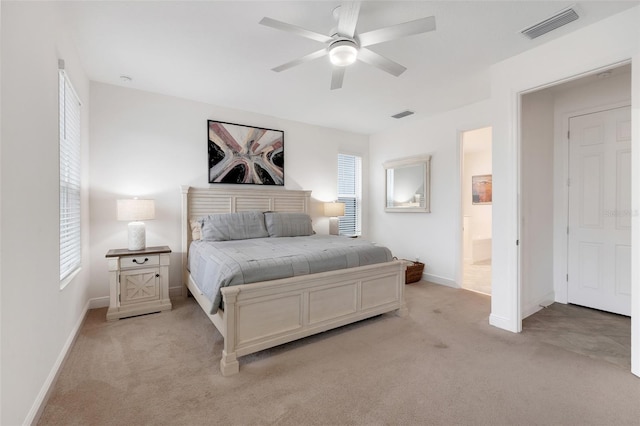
99, 302
537, 305
38, 405
440, 280
502, 322
176, 292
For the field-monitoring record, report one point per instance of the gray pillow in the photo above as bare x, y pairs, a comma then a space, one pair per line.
288, 224
233, 226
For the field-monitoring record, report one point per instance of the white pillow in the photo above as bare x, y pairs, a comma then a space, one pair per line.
196, 230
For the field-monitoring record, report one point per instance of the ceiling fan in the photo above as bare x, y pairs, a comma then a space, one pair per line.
344, 46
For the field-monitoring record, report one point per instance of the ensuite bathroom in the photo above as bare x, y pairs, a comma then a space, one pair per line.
476, 208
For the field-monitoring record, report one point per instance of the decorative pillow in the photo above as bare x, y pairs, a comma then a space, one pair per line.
196, 230
233, 226
288, 224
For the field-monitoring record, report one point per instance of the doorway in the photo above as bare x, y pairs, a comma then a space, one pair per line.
477, 184
563, 198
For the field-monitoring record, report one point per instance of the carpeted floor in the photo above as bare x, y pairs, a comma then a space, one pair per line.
596, 334
443, 364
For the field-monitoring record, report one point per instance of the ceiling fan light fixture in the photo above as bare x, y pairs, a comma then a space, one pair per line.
343, 53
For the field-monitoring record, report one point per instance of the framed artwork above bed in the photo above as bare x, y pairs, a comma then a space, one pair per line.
244, 154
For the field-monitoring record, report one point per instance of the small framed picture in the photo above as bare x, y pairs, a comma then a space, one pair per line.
481, 189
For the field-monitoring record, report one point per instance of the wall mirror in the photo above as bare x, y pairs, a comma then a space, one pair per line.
407, 184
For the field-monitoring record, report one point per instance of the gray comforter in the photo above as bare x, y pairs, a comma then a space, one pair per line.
217, 264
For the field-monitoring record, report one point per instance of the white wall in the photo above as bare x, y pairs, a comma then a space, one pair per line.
147, 145
38, 318
537, 202
599, 45
432, 237
635, 204
0, 219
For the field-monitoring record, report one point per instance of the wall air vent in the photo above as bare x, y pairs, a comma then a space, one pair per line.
402, 114
550, 24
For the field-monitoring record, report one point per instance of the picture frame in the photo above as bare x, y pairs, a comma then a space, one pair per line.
241, 154
481, 189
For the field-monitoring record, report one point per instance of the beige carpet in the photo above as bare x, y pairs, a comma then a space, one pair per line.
443, 364
585, 331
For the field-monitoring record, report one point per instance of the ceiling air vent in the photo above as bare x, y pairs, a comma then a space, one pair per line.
550, 24
402, 114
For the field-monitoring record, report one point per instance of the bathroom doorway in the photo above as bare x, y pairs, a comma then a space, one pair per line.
477, 197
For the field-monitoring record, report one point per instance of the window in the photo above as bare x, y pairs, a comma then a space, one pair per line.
70, 244
349, 193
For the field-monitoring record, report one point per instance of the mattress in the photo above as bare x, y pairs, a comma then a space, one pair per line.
217, 264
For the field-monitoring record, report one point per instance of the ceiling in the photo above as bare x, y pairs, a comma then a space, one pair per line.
216, 52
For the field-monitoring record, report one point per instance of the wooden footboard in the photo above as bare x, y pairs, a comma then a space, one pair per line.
263, 315
266, 314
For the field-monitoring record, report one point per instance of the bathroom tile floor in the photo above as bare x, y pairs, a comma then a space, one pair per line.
477, 277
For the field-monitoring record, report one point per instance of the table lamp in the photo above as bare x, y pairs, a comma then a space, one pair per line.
333, 210
135, 211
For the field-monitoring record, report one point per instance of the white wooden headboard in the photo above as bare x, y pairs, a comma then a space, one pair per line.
197, 202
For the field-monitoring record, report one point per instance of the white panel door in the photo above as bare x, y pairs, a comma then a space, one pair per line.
599, 252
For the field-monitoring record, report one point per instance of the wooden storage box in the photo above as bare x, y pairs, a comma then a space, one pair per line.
413, 272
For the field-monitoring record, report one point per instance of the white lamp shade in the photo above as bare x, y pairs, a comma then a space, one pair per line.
136, 210
334, 209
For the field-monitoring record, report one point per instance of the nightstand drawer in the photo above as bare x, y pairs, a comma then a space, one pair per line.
138, 261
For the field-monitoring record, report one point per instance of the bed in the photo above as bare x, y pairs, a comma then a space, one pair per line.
260, 315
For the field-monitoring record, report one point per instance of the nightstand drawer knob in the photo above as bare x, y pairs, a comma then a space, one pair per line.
146, 259
157, 275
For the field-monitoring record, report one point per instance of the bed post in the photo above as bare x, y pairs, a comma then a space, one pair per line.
185, 238
229, 363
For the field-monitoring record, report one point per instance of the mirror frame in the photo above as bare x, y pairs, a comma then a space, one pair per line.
405, 162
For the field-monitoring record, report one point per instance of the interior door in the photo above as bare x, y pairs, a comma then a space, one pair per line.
599, 252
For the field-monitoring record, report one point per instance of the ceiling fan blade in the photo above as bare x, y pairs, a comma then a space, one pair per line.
310, 57
372, 58
337, 77
278, 25
393, 32
349, 11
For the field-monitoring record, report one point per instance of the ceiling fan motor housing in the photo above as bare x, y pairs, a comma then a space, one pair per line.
343, 52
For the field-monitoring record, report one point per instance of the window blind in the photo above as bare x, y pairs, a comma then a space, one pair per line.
70, 241
349, 193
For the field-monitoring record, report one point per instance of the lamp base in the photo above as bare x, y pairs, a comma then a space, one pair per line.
334, 228
137, 238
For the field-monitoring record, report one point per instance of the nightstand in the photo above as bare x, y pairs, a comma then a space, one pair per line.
138, 281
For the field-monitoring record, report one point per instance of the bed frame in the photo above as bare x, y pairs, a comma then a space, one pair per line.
263, 315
